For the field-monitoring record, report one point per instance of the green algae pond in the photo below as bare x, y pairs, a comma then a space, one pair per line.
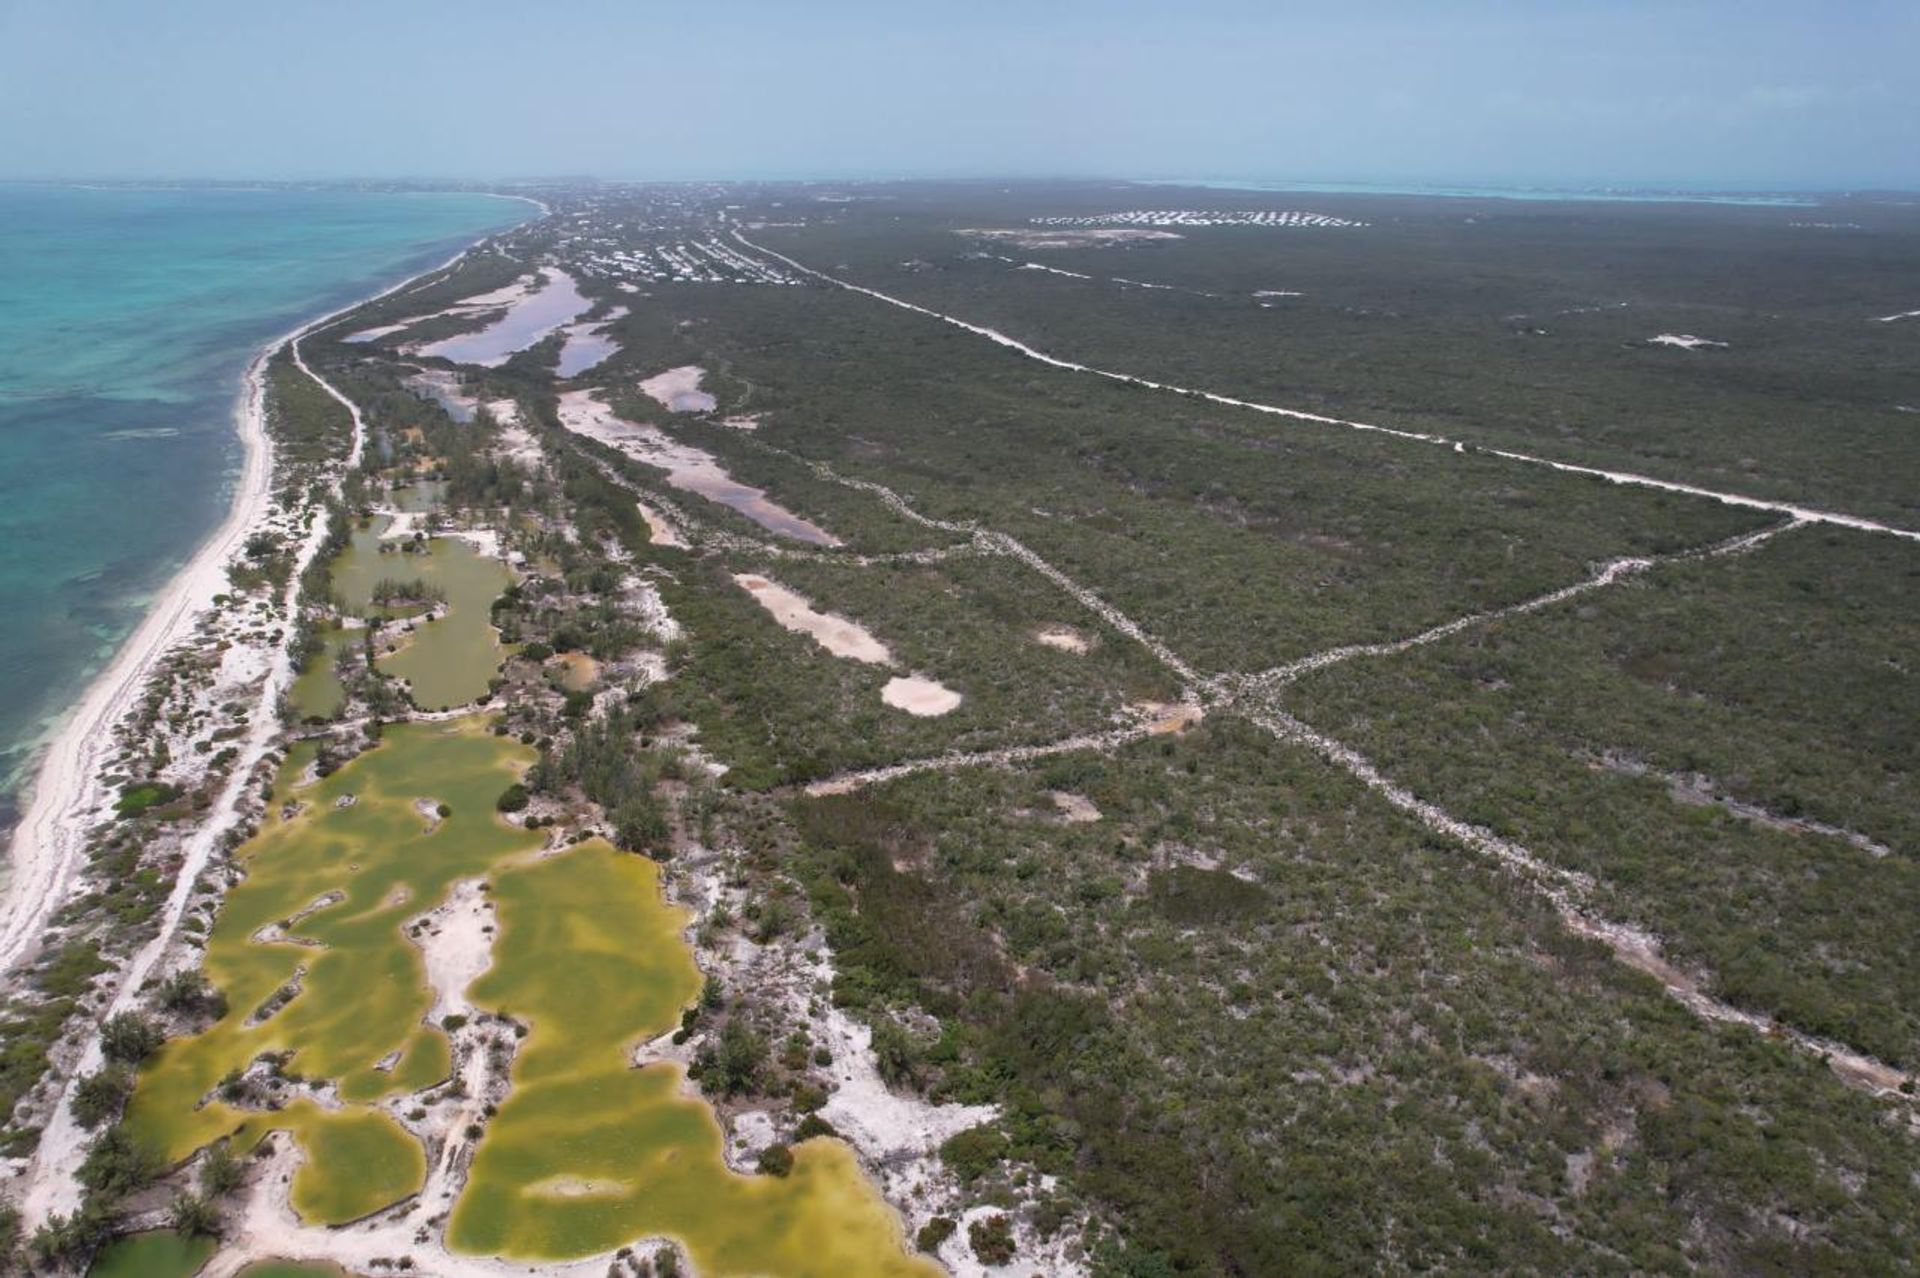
159, 1253
587, 1153
317, 692
450, 660
321, 909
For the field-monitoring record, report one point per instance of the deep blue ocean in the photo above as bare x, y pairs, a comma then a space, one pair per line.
127, 320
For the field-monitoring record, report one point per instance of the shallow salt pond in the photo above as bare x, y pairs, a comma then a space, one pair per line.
587, 1153
587, 345
317, 692
158, 1253
327, 892
678, 390
687, 467
529, 319
450, 660
443, 388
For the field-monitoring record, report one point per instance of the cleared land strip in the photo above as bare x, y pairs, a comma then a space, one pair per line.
1568, 890
1804, 513
1609, 573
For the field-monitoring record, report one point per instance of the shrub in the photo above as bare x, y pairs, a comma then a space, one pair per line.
776, 1160
512, 799
934, 1232
992, 1239
130, 1037
99, 1096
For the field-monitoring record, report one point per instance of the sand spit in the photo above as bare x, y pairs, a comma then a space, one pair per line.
687, 467
920, 696
839, 636
678, 390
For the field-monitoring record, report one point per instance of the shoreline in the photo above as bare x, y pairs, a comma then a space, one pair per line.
65, 798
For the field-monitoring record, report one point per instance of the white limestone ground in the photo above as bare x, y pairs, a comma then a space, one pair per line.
918, 695
1685, 341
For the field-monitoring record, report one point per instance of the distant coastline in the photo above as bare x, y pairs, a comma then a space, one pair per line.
55, 698
1608, 195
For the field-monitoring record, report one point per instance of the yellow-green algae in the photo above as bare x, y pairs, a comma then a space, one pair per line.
588, 1153
448, 661
362, 986
318, 692
159, 1253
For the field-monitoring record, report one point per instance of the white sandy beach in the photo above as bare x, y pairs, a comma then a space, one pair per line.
69, 796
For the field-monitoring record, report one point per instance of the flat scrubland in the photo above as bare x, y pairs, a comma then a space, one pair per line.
1418, 859
1516, 325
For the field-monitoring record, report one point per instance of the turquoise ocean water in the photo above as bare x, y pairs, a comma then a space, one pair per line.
127, 320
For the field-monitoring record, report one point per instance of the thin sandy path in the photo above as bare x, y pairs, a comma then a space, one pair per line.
54, 1187
1806, 513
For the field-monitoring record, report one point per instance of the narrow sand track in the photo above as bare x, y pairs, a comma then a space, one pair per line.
1613, 571
1631, 478
53, 1186
1567, 890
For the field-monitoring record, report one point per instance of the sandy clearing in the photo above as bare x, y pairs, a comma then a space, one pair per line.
660, 532
678, 390
743, 421
919, 695
838, 635
1685, 341
1075, 809
1065, 638
456, 943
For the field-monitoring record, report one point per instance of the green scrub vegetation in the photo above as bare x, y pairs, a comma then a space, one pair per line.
588, 1153
320, 912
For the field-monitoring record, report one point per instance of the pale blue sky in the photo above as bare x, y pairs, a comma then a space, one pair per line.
1759, 93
